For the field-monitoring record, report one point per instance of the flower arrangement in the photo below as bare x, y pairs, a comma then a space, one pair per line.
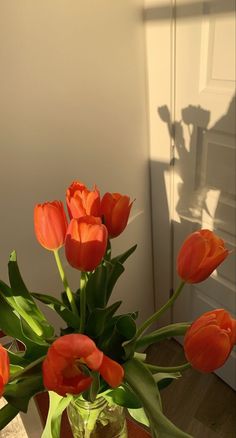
98, 350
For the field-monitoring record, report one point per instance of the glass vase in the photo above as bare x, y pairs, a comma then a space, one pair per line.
99, 419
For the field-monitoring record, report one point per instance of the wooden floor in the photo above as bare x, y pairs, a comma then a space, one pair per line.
200, 404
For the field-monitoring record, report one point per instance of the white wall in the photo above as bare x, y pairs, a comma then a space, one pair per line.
72, 106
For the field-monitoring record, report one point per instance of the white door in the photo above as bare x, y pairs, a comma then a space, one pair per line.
204, 179
191, 103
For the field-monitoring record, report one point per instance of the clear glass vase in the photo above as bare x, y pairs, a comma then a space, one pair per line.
99, 419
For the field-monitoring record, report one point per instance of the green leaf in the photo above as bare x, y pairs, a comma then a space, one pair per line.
96, 323
123, 257
96, 291
57, 404
91, 393
116, 333
69, 317
7, 413
178, 329
144, 386
114, 272
32, 336
56, 417
14, 369
124, 396
20, 299
18, 359
140, 356
139, 415
7, 295
98, 318
126, 326
164, 379
10, 323
18, 393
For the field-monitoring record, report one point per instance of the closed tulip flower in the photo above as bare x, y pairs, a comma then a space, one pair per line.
209, 340
115, 209
4, 368
81, 201
200, 255
50, 224
85, 243
63, 365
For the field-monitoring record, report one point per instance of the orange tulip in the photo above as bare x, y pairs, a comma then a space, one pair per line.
81, 201
50, 224
210, 339
4, 368
86, 242
115, 209
200, 255
63, 367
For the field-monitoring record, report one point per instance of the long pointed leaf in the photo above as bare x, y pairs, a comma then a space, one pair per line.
178, 329
18, 393
123, 257
10, 323
22, 301
56, 403
115, 271
69, 317
7, 413
143, 384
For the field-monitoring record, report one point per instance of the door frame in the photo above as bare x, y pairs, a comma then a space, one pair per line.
160, 50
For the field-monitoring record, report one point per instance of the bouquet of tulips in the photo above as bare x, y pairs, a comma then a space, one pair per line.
98, 349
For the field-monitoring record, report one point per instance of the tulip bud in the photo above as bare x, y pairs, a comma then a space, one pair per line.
210, 339
86, 242
115, 209
200, 255
81, 201
50, 224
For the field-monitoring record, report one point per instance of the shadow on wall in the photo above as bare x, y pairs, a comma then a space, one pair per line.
204, 173
189, 9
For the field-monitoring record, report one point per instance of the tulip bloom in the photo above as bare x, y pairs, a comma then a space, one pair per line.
81, 201
210, 339
50, 224
4, 368
200, 255
63, 366
86, 242
115, 209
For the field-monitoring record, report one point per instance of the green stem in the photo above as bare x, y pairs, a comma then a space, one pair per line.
83, 282
178, 329
174, 369
159, 312
69, 294
27, 368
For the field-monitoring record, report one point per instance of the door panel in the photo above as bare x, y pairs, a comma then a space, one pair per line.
205, 151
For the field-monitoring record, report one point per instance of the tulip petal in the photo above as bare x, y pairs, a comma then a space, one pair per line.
81, 201
115, 209
74, 345
50, 224
200, 255
192, 253
86, 243
207, 349
111, 371
4, 368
